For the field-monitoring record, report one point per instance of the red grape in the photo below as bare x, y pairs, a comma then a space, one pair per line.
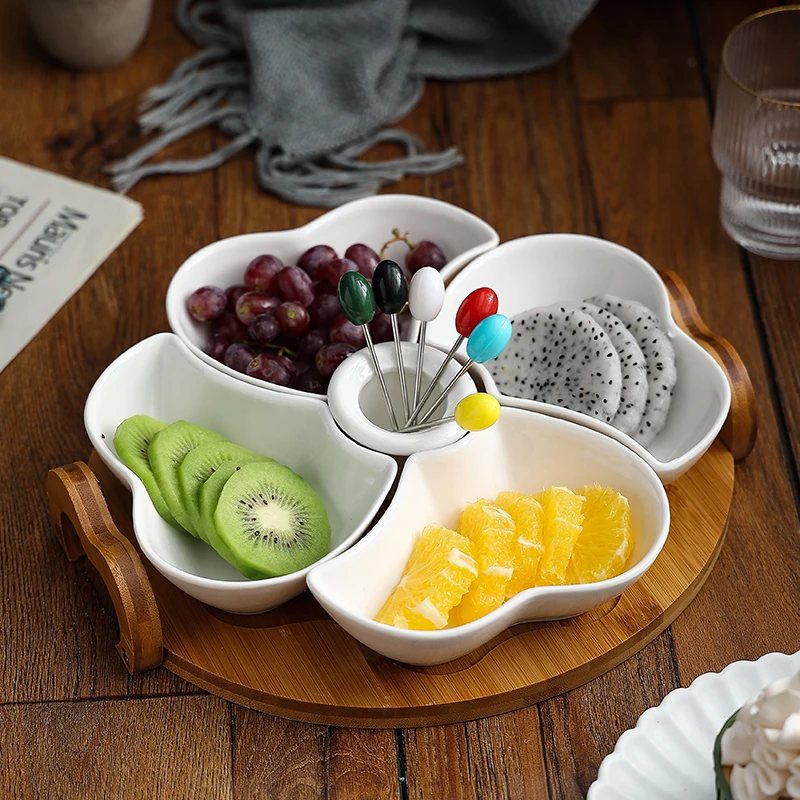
206, 303
314, 258
324, 310
251, 304
275, 372
288, 363
380, 328
311, 381
261, 273
295, 286
238, 356
343, 330
254, 365
233, 293
216, 346
330, 356
323, 289
333, 270
302, 366
425, 254
269, 368
312, 342
292, 318
264, 328
228, 325
365, 258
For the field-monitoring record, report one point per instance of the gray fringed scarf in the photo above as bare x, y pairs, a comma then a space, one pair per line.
316, 83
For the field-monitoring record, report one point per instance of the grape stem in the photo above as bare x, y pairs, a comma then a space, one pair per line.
279, 347
396, 237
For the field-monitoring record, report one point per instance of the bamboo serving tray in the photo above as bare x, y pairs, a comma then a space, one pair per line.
296, 662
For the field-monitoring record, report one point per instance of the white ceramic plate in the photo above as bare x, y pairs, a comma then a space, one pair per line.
461, 235
552, 268
161, 378
668, 755
522, 452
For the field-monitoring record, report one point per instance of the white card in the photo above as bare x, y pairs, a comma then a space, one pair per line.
54, 233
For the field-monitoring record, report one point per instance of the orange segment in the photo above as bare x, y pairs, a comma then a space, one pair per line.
528, 516
482, 514
494, 550
605, 544
439, 571
563, 517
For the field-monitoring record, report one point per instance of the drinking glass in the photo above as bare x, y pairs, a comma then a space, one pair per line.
756, 141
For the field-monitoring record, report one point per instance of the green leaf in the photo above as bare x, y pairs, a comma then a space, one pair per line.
723, 787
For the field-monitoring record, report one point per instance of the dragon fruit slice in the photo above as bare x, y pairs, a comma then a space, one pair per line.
634, 369
659, 356
560, 355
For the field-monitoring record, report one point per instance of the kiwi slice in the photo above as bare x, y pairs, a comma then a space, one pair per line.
166, 451
271, 521
131, 440
209, 496
197, 468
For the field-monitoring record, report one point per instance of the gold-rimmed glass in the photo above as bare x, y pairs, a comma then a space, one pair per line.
756, 141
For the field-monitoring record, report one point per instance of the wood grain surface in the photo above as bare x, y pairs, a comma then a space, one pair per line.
613, 140
100, 750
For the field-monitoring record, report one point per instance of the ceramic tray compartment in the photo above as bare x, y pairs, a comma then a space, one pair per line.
551, 268
161, 378
461, 235
522, 452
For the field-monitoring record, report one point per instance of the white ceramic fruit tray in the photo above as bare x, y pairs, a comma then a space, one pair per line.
170, 378
173, 595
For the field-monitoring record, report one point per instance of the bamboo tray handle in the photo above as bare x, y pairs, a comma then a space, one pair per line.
741, 426
85, 527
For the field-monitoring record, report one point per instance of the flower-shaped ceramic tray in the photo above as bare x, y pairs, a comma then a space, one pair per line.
294, 661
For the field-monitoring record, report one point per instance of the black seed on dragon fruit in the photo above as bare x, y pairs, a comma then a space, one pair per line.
659, 355
634, 370
563, 357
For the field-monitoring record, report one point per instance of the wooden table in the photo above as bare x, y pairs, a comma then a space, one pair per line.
613, 140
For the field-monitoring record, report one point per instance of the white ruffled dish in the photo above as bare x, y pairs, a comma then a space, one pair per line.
563, 268
522, 452
161, 378
461, 235
668, 755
